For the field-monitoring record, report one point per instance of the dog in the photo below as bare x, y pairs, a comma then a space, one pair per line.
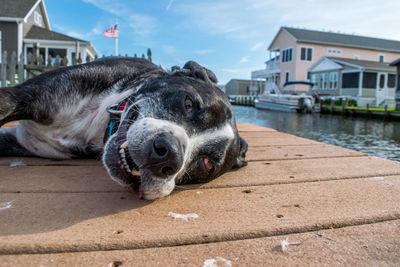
152, 128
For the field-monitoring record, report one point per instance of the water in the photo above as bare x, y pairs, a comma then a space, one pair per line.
374, 137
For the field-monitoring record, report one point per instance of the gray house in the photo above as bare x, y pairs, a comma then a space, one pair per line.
396, 63
24, 23
368, 82
243, 87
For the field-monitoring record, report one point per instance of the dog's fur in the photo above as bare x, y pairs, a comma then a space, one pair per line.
176, 127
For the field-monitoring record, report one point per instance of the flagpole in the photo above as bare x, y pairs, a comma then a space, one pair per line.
116, 46
116, 40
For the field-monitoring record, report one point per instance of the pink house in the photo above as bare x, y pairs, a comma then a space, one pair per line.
294, 51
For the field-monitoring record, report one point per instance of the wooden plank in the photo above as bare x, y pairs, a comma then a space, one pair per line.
45, 222
95, 178
365, 245
257, 153
247, 127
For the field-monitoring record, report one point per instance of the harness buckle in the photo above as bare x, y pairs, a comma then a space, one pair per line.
114, 109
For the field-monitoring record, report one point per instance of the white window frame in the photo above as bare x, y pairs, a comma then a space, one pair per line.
312, 53
334, 51
381, 55
333, 81
324, 80
291, 59
357, 57
38, 18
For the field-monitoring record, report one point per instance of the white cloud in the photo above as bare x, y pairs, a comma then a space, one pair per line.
204, 51
80, 35
258, 46
252, 19
142, 24
169, 5
244, 59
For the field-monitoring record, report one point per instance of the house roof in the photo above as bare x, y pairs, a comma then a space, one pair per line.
395, 63
340, 39
39, 33
16, 8
365, 64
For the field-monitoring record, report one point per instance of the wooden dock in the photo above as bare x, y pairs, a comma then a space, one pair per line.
297, 203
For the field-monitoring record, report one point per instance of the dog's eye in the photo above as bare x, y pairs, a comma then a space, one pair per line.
208, 164
188, 103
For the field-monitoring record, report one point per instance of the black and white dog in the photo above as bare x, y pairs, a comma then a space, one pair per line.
165, 128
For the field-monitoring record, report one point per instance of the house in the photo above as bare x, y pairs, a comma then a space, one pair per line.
243, 87
396, 63
368, 82
25, 23
297, 50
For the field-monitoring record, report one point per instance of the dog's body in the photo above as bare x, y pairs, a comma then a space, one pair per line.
173, 127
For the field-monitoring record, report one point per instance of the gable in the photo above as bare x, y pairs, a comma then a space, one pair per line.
282, 40
325, 64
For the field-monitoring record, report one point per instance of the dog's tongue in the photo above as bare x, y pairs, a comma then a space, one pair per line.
137, 188
139, 193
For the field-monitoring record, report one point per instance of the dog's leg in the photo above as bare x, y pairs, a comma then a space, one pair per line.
7, 105
9, 145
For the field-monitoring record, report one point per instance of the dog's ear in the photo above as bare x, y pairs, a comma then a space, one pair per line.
241, 161
195, 70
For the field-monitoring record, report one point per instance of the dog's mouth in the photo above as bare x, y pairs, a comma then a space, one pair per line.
127, 161
128, 170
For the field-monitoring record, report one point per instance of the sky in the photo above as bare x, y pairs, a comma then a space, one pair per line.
230, 37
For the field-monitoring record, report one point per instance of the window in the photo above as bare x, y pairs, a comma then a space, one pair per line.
334, 51
369, 80
287, 55
38, 18
324, 80
381, 58
350, 80
333, 79
356, 57
306, 54
287, 76
314, 80
391, 81
42, 52
54, 52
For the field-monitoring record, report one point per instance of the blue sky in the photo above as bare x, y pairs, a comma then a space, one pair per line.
229, 37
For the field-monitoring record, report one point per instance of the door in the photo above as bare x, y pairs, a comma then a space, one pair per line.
381, 88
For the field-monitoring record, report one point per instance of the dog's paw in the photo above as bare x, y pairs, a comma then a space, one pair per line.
194, 69
7, 104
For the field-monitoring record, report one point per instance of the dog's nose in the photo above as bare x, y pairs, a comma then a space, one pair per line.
166, 156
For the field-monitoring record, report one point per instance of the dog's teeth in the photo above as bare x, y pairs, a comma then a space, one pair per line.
135, 172
124, 145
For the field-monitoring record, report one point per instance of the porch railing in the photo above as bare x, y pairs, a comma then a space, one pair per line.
14, 71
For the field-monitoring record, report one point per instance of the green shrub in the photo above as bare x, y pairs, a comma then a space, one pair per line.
352, 103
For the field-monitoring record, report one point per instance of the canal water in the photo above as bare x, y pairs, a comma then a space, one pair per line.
374, 137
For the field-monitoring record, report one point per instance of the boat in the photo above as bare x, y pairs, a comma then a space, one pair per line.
273, 99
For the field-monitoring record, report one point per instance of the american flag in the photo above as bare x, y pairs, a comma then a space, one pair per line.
111, 32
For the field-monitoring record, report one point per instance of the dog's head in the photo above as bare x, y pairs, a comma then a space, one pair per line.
176, 128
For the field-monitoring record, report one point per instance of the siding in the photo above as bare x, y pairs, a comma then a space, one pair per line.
284, 41
9, 36
237, 87
31, 20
